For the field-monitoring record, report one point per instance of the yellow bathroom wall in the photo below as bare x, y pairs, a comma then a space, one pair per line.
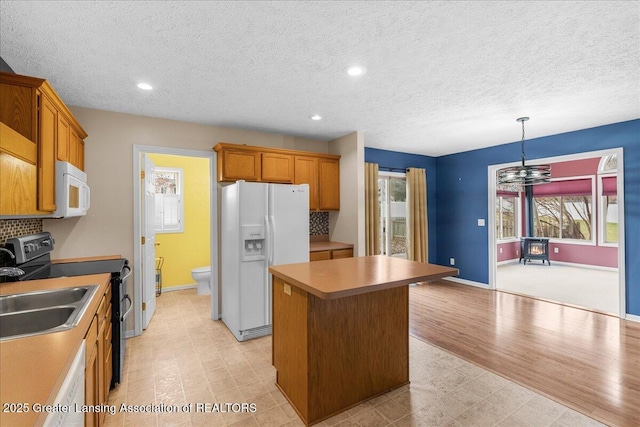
185, 251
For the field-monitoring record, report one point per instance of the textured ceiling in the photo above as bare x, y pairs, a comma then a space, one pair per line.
442, 77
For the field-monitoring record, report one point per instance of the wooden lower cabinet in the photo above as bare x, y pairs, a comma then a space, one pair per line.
319, 255
332, 354
341, 253
104, 351
107, 347
98, 367
333, 254
92, 374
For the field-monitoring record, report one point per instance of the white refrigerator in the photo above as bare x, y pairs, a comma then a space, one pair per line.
261, 225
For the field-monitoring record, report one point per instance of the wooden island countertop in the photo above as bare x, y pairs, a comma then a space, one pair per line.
344, 277
341, 330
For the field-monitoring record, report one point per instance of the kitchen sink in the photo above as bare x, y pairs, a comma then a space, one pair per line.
42, 312
41, 299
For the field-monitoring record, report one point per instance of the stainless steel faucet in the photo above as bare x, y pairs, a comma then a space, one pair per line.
9, 252
10, 271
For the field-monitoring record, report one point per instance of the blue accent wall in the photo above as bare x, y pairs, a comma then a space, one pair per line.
392, 159
462, 194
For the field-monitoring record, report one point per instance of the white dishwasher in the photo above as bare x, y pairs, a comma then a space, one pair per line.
71, 395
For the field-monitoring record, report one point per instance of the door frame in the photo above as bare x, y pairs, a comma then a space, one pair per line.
491, 180
138, 150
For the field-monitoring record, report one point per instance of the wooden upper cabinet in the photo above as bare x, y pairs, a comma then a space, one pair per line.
76, 150
306, 172
18, 173
234, 165
18, 106
64, 137
328, 184
277, 168
48, 138
32, 109
278, 165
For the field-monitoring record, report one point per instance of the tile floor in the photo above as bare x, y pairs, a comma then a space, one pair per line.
185, 358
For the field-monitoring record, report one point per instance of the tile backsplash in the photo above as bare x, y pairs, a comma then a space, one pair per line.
18, 227
318, 223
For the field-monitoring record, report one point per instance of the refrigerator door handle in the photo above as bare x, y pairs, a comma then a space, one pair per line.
267, 244
273, 240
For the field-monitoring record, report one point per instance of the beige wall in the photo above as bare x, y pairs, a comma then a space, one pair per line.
108, 227
347, 225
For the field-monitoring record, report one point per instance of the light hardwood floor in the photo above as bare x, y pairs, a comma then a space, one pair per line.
585, 360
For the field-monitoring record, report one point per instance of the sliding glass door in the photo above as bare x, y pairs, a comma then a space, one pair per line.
392, 199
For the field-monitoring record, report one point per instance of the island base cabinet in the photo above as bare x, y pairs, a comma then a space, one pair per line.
333, 354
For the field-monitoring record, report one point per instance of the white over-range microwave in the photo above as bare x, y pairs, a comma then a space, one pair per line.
72, 192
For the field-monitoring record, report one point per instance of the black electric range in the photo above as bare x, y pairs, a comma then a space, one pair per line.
32, 255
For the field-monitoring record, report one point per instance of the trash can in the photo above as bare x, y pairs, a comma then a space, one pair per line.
159, 263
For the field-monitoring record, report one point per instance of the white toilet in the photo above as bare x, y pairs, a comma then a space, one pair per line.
202, 275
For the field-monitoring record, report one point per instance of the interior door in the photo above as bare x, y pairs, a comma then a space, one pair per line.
149, 240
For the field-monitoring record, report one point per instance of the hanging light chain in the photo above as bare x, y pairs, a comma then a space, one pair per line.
522, 120
524, 175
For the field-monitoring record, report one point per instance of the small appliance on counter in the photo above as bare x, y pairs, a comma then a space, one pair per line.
262, 225
32, 256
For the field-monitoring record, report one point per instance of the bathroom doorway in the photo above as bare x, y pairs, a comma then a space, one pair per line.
185, 220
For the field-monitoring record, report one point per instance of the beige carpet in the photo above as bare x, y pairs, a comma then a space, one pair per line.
584, 287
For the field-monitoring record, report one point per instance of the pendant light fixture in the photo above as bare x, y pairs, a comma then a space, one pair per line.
525, 175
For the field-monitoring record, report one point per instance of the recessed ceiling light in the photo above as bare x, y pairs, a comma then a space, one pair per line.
145, 86
315, 117
356, 70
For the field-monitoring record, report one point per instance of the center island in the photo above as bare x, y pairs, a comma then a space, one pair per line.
341, 330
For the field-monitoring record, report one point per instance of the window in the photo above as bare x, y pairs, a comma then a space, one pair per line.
392, 201
506, 217
169, 206
608, 191
610, 219
564, 210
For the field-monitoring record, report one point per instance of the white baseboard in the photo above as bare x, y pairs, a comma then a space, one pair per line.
467, 282
632, 317
508, 261
129, 334
179, 287
592, 267
569, 264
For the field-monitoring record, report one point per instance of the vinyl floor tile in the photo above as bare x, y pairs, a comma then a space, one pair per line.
185, 358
